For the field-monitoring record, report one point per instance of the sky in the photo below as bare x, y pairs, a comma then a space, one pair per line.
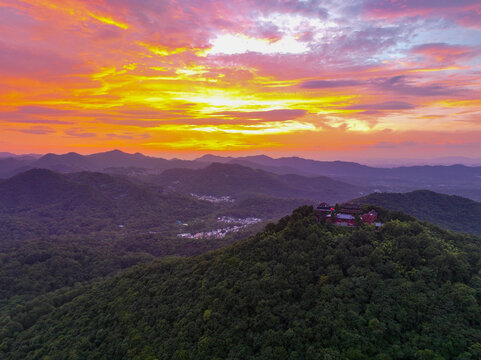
324, 79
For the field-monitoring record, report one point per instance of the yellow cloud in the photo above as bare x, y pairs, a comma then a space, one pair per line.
110, 21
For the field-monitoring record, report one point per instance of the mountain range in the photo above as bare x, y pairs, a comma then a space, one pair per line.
453, 179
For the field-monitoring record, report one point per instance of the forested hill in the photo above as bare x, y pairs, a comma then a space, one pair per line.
236, 180
299, 290
41, 202
448, 211
60, 229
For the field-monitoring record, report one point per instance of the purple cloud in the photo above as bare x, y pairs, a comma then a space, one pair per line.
37, 130
328, 84
445, 53
27, 62
464, 12
401, 84
387, 105
77, 132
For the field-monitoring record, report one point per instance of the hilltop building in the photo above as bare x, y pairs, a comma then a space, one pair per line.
347, 214
324, 208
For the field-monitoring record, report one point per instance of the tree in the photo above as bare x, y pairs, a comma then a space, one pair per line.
358, 220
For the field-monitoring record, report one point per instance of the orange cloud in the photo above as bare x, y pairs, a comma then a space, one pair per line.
184, 76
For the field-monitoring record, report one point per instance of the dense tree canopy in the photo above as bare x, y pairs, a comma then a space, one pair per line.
299, 290
448, 211
57, 230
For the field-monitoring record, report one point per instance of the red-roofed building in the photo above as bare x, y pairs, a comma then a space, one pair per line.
369, 218
347, 215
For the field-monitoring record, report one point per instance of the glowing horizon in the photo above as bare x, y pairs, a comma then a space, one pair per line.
376, 79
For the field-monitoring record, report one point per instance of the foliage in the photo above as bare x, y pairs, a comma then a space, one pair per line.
299, 290
57, 230
448, 211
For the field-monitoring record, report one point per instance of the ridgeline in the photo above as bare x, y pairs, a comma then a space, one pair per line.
448, 211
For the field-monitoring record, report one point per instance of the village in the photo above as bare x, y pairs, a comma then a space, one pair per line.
222, 232
213, 199
347, 214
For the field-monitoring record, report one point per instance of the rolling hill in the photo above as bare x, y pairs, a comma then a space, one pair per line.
298, 290
49, 203
449, 179
61, 229
448, 211
219, 179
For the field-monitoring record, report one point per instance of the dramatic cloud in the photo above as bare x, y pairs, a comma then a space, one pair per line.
280, 76
76, 132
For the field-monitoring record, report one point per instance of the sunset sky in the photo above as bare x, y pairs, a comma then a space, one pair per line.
322, 79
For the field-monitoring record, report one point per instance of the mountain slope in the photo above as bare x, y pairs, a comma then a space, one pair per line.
235, 180
49, 203
61, 229
9, 165
448, 211
452, 179
299, 290
39, 187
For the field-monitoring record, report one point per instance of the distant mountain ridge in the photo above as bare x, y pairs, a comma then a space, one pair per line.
345, 168
97, 162
74, 162
450, 179
6, 154
453, 179
39, 187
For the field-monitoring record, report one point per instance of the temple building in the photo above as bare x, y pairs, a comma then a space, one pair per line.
346, 214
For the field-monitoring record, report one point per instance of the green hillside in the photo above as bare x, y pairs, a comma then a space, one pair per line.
298, 290
44, 203
58, 230
448, 211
